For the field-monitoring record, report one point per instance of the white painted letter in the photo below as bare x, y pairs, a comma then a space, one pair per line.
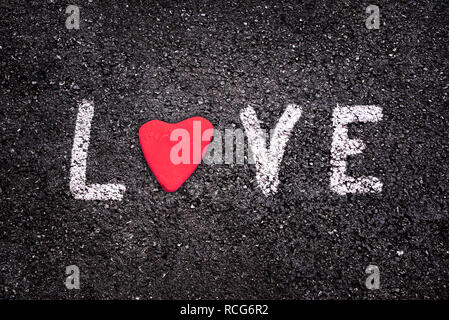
78, 185
342, 147
268, 161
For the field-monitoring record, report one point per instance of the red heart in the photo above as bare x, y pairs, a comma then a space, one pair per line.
174, 150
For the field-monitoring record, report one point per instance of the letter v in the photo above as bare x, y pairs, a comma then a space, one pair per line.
268, 161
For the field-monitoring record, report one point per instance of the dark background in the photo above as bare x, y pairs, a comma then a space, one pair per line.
144, 60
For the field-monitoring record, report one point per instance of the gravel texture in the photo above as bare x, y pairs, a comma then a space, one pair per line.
218, 236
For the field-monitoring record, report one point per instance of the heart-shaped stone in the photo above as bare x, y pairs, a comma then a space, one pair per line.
174, 150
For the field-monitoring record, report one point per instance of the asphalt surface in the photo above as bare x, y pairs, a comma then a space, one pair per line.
218, 236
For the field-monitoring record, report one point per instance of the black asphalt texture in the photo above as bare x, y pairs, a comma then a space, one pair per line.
218, 236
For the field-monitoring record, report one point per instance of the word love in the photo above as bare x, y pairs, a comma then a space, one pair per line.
189, 142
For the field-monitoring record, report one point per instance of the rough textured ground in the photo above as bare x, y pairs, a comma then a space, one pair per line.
218, 236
